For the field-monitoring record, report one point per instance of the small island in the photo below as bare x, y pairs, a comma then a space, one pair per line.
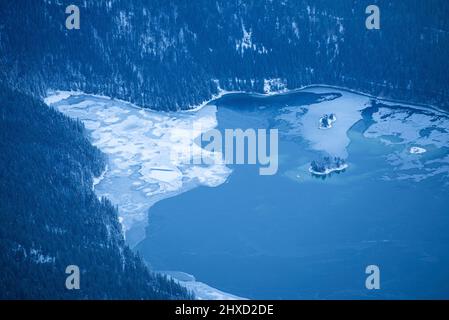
327, 166
327, 120
417, 150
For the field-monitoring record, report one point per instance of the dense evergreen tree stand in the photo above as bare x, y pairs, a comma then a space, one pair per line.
51, 218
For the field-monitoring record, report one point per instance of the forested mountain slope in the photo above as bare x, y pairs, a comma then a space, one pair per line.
169, 54
51, 218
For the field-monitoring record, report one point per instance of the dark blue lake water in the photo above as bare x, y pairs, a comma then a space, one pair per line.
295, 236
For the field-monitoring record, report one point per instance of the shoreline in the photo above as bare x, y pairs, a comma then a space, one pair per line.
201, 290
402, 103
330, 124
329, 171
136, 233
222, 92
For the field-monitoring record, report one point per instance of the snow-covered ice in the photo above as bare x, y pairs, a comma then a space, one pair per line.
56, 96
417, 150
406, 127
412, 130
150, 157
304, 121
201, 290
150, 153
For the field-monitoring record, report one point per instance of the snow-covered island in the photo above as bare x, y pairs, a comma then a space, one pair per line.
417, 150
327, 166
327, 120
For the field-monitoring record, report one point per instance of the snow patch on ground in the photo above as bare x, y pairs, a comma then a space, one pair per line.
97, 180
39, 257
274, 86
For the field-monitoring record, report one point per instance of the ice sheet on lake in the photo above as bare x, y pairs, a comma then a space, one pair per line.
417, 150
201, 290
420, 138
56, 96
304, 121
420, 134
150, 154
204, 292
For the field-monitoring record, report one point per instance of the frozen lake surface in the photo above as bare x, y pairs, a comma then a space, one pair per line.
146, 152
291, 235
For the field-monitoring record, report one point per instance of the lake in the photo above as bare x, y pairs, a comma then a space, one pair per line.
292, 235
295, 236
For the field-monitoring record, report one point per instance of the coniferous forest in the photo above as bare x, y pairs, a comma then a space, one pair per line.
51, 218
169, 54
